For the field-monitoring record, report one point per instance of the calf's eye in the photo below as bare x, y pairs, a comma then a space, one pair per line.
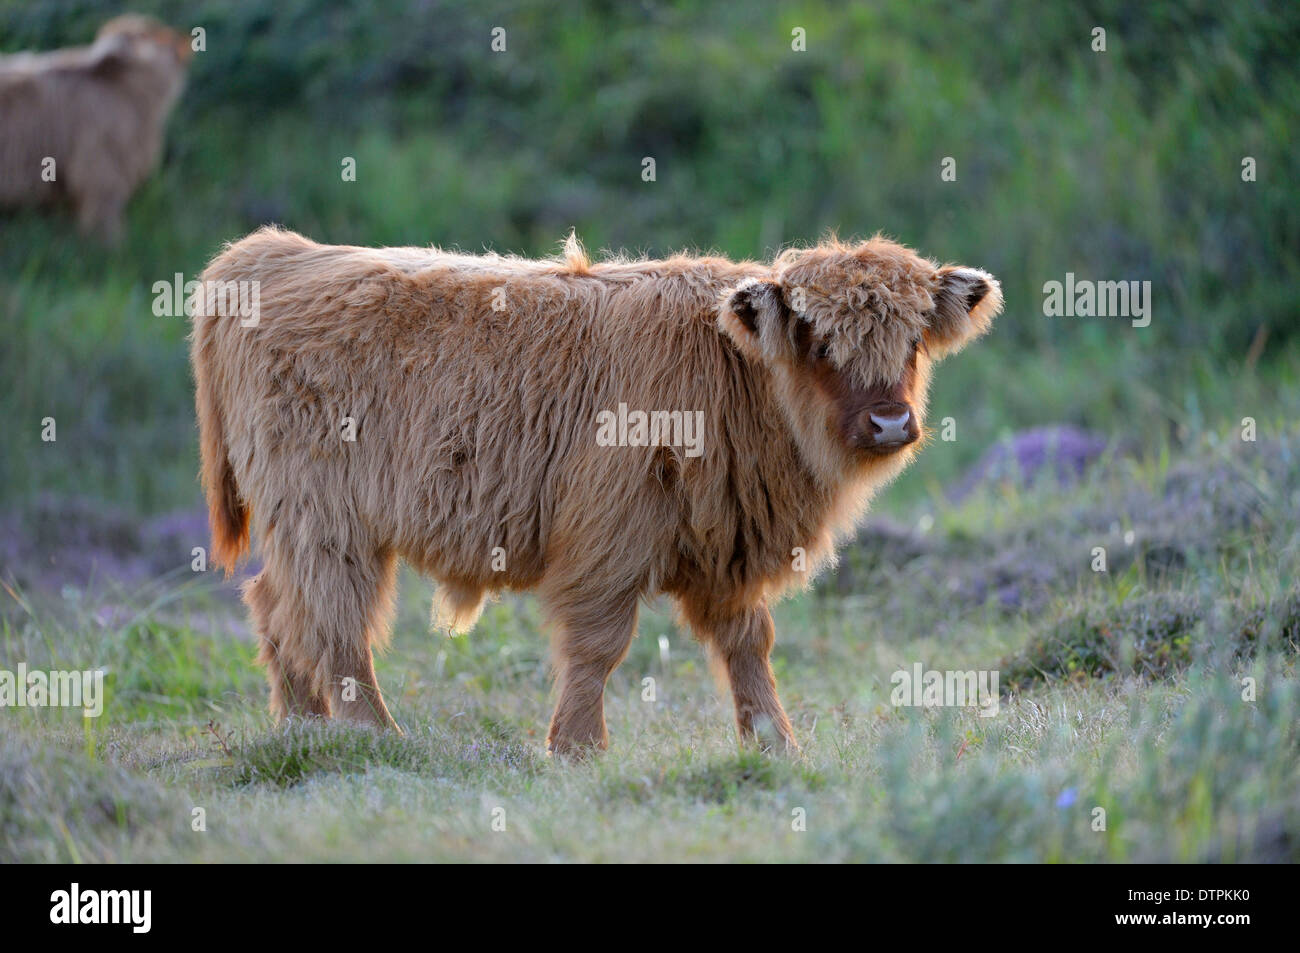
823, 351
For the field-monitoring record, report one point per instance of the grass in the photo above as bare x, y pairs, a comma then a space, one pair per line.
1121, 691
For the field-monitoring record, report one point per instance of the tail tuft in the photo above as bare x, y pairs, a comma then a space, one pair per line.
228, 514
457, 606
228, 517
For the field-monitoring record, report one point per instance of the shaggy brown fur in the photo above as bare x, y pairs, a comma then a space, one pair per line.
97, 110
475, 428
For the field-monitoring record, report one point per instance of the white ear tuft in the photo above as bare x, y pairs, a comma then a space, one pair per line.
964, 307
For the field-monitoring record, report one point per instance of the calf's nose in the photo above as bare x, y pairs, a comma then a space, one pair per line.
892, 429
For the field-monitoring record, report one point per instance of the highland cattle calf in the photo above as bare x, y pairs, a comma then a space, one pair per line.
85, 125
491, 421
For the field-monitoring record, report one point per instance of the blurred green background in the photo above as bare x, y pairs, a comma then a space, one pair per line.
1123, 164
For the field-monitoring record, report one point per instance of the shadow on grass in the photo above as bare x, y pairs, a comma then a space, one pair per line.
720, 780
299, 749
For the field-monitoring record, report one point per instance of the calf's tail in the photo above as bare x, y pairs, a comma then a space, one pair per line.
228, 514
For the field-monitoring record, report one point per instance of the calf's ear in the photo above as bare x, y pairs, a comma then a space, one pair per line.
109, 55
964, 307
183, 46
754, 313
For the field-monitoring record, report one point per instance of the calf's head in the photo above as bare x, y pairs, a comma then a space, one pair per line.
850, 333
142, 41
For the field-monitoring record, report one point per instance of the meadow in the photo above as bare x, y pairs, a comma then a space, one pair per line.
1122, 689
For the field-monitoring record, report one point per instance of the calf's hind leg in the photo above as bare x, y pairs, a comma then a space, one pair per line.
293, 691
318, 616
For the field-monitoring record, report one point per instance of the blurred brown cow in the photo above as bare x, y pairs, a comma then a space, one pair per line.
85, 124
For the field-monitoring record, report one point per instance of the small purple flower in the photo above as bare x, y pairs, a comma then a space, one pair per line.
1067, 797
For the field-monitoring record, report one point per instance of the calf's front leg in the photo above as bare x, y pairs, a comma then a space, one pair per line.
742, 644
591, 640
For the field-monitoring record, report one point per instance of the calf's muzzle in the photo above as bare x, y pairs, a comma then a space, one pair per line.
889, 426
